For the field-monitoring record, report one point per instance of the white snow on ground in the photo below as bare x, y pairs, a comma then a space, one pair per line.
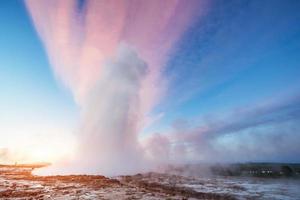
18, 183
247, 187
238, 187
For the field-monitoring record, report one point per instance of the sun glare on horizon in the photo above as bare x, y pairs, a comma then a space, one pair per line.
38, 150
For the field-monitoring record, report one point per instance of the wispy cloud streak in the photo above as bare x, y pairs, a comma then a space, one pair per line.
257, 131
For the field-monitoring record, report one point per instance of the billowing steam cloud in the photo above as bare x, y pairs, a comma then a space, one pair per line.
110, 54
112, 114
261, 132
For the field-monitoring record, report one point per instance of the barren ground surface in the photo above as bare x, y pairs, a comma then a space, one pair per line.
19, 183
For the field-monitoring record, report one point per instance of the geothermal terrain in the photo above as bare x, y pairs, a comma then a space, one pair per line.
18, 182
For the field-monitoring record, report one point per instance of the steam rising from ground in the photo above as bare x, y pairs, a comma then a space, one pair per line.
111, 116
110, 54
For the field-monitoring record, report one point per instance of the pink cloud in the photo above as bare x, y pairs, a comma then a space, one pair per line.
77, 43
80, 42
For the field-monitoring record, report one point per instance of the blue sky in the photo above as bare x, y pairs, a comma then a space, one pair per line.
239, 55
31, 102
27, 82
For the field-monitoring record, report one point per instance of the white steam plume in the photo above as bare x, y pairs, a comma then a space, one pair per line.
110, 55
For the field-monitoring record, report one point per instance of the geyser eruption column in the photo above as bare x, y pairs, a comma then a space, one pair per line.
100, 51
112, 114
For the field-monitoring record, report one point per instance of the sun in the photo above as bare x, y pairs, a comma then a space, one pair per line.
39, 149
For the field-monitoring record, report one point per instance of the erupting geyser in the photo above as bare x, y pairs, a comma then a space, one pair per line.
110, 54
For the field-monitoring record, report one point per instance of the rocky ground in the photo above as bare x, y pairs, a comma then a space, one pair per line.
19, 183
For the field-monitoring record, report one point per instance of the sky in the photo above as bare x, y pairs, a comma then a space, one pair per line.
33, 104
149, 81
